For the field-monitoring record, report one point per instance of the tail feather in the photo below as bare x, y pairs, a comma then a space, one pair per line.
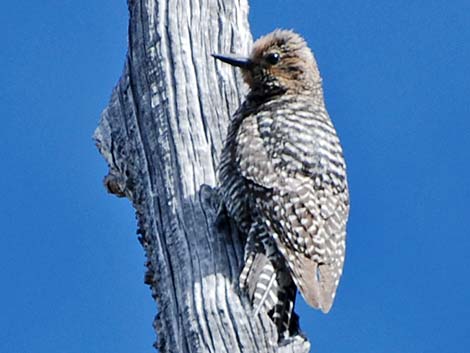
263, 291
268, 282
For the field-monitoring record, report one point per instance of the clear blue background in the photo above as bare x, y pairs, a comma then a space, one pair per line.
397, 85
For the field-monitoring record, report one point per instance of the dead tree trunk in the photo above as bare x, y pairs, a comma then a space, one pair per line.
161, 135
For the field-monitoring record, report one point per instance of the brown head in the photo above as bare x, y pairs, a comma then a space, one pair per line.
279, 62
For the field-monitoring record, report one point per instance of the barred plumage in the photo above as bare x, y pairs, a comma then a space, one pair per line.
283, 180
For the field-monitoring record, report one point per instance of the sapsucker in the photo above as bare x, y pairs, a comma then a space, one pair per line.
282, 178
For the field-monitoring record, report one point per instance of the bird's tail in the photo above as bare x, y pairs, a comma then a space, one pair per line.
269, 286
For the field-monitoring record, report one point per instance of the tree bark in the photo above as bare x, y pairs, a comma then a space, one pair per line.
161, 135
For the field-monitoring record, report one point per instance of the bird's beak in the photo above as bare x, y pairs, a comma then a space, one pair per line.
244, 63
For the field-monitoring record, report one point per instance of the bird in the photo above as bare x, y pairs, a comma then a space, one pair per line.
282, 180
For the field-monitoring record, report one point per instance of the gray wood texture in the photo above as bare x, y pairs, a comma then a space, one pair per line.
161, 135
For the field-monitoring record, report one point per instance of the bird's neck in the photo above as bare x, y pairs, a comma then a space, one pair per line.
259, 95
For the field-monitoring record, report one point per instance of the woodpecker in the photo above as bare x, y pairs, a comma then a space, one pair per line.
282, 178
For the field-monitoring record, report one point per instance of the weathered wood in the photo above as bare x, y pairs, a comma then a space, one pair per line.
161, 135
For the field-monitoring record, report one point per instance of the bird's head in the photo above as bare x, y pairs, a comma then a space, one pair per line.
279, 62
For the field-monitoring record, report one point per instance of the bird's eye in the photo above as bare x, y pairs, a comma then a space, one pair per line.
273, 58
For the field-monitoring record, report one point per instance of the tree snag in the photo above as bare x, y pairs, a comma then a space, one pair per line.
161, 135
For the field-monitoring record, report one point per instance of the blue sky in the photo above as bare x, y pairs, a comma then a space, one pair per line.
397, 85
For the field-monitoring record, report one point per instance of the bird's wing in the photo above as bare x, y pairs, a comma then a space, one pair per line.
298, 179
310, 232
